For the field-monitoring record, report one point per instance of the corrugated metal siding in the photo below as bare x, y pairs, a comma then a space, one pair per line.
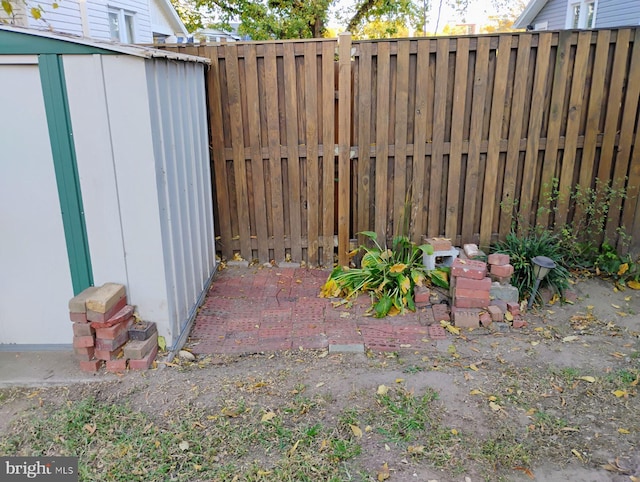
179, 125
617, 13
553, 12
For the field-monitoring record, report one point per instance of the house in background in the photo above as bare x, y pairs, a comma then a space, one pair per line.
124, 21
579, 14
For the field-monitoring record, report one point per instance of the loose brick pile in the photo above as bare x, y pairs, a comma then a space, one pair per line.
481, 292
105, 331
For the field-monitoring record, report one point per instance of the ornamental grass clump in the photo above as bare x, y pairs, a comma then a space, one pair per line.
389, 275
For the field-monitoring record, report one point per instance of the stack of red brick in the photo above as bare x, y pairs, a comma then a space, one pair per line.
103, 324
480, 297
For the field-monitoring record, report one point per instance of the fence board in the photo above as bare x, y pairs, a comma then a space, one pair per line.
437, 143
455, 153
422, 115
382, 142
553, 128
328, 156
344, 145
311, 116
293, 160
239, 162
475, 137
364, 194
493, 151
401, 121
257, 164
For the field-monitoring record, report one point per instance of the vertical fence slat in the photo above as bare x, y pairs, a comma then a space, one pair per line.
400, 170
364, 139
455, 153
255, 143
275, 161
328, 156
237, 143
344, 145
293, 159
515, 131
629, 113
219, 162
437, 145
576, 98
631, 213
495, 135
420, 141
553, 128
475, 138
530, 169
382, 141
311, 113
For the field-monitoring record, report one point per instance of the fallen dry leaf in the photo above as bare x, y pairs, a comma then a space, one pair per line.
415, 449
495, 407
184, 445
577, 454
620, 393
587, 379
623, 431
267, 416
526, 471
90, 427
293, 449
357, 431
569, 338
384, 473
382, 390
473, 367
475, 391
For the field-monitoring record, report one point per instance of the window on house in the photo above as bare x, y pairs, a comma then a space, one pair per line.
122, 25
581, 14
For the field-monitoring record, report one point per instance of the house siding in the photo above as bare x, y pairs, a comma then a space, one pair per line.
65, 18
553, 12
617, 13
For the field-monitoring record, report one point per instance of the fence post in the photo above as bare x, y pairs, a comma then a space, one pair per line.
344, 145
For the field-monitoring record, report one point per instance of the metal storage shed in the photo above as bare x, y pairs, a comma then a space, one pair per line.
104, 177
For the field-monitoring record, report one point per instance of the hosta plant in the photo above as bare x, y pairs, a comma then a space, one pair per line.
389, 275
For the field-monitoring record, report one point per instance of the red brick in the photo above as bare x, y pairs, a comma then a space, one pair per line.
469, 269
91, 365
439, 244
519, 322
483, 284
513, 308
83, 341
83, 329
466, 317
102, 317
113, 332
84, 353
503, 280
485, 319
421, 294
499, 259
136, 349
123, 314
471, 250
440, 312
144, 363
500, 304
502, 270
495, 312
117, 366
470, 298
110, 345
78, 317
108, 355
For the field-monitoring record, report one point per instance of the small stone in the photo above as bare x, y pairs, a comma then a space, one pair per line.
186, 355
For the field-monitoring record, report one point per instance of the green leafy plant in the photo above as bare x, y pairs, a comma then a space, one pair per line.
389, 275
522, 248
622, 268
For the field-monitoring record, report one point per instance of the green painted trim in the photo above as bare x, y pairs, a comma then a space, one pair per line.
64, 159
18, 43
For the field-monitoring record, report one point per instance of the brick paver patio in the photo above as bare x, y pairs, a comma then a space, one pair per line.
250, 310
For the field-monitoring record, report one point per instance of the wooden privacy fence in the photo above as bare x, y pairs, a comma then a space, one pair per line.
315, 138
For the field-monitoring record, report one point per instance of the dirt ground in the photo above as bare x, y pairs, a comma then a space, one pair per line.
564, 388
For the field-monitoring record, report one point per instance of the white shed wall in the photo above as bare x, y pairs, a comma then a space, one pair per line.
35, 281
112, 131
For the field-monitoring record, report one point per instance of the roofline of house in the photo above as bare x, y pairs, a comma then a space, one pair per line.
531, 10
171, 11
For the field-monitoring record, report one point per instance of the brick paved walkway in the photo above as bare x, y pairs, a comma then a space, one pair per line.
249, 310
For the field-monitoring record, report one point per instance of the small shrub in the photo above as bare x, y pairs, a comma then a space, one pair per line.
523, 248
390, 275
